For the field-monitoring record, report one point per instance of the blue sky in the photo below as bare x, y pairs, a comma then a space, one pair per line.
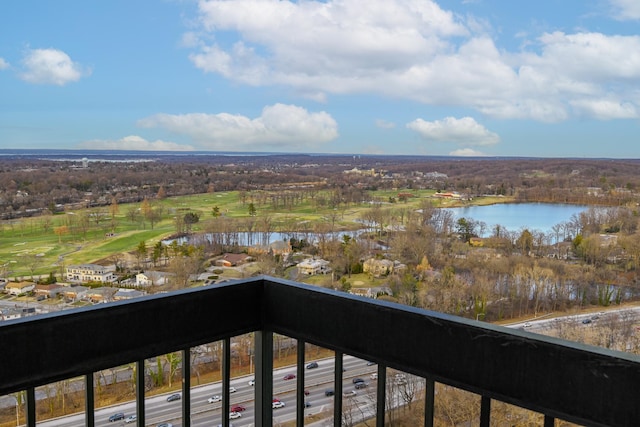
451, 77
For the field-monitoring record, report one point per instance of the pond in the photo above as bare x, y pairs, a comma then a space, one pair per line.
517, 216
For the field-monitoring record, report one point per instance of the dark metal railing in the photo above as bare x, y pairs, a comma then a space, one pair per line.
556, 378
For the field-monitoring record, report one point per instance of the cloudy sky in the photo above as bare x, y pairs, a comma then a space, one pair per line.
449, 77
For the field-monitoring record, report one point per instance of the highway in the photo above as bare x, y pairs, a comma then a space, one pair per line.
317, 380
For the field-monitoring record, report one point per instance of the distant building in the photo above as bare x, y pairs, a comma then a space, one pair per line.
85, 273
48, 291
231, 260
19, 288
311, 266
382, 267
152, 278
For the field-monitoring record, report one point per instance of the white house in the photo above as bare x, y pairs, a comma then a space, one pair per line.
19, 288
152, 278
85, 273
311, 266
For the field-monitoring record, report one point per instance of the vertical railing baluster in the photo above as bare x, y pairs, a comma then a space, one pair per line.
485, 411
264, 378
337, 390
31, 407
186, 387
89, 401
549, 421
300, 384
226, 379
140, 391
381, 396
429, 400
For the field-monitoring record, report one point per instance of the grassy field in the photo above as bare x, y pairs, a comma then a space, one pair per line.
45, 244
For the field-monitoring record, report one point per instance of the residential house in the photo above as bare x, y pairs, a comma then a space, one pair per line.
10, 314
232, 260
125, 294
279, 247
99, 295
75, 293
378, 267
152, 278
311, 266
85, 273
48, 291
382, 267
19, 288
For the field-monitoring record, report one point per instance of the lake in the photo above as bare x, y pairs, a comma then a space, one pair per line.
517, 216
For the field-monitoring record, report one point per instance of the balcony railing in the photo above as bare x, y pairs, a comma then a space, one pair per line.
556, 378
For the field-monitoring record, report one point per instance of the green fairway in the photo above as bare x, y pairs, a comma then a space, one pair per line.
41, 245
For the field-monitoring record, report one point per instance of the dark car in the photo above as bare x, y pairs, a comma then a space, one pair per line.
358, 380
360, 384
586, 321
116, 417
289, 377
237, 408
329, 392
175, 396
312, 365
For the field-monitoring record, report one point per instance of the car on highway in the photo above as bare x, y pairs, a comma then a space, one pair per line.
214, 399
329, 392
116, 417
232, 389
278, 404
235, 415
165, 425
357, 380
307, 404
238, 408
360, 385
289, 377
131, 419
174, 397
252, 381
312, 365
374, 376
351, 393
586, 321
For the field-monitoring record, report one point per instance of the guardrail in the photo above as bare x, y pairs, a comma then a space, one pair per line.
560, 379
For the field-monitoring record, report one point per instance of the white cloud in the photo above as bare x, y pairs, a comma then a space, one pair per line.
625, 10
414, 49
278, 127
464, 131
3, 64
384, 124
134, 142
467, 152
51, 66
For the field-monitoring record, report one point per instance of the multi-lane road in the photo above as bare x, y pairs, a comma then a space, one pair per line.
158, 410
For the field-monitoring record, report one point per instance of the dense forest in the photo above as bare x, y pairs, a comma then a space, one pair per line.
29, 185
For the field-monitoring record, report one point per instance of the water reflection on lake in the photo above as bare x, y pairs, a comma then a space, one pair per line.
517, 216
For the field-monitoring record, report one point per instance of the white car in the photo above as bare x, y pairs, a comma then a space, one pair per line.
278, 404
252, 381
234, 415
214, 399
232, 389
349, 393
131, 419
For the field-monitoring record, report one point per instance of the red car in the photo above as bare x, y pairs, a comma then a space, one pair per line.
237, 408
289, 377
